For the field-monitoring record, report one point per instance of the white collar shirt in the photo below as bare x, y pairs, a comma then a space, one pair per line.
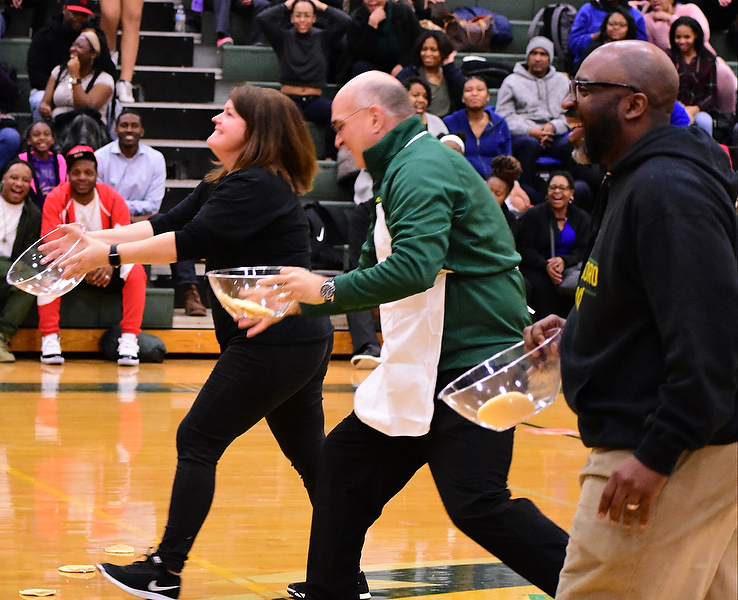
140, 179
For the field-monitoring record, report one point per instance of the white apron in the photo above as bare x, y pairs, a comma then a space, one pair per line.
397, 397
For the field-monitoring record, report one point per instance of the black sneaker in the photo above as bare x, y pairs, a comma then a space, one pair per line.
144, 579
367, 357
299, 590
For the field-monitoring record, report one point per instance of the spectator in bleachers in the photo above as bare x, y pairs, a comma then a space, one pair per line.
20, 223
50, 47
127, 14
138, 173
720, 14
420, 95
433, 62
10, 138
618, 25
248, 11
505, 173
455, 141
48, 167
552, 237
81, 90
587, 23
382, 35
659, 20
697, 70
97, 206
529, 100
486, 132
303, 52
508, 170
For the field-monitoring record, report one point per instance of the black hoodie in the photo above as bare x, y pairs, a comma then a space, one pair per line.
650, 350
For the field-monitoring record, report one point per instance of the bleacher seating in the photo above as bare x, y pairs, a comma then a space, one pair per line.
183, 81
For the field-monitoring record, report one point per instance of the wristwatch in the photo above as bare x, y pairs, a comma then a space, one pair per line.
113, 256
72, 81
328, 290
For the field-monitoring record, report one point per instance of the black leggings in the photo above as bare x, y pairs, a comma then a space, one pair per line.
250, 381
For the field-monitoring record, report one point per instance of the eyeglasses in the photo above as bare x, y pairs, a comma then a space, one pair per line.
338, 125
579, 85
559, 188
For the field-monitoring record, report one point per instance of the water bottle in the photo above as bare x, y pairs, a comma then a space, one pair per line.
179, 19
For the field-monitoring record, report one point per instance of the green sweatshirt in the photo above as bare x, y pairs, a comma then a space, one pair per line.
440, 215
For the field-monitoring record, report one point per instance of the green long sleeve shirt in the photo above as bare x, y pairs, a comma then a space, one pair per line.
440, 215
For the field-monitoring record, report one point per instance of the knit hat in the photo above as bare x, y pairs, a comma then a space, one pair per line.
543, 43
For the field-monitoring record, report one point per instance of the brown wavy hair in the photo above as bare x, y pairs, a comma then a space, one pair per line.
277, 138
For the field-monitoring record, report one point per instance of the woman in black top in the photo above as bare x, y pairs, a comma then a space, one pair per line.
433, 61
556, 225
382, 35
245, 213
616, 26
303, 52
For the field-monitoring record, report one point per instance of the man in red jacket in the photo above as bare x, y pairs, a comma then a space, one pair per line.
97, 206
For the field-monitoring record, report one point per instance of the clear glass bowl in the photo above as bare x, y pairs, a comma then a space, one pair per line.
34, 277
509, 387
237, 291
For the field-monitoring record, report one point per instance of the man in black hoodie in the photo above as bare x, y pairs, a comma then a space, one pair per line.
649, 354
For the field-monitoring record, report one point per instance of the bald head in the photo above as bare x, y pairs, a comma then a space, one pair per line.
366, 109
381, 89
644, 66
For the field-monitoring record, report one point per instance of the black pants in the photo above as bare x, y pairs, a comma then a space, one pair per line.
250, 381
318, 110
362, 469
543, 296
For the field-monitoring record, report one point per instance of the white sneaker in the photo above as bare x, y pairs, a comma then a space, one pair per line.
114, 57
51, 352
128, 350
124, 90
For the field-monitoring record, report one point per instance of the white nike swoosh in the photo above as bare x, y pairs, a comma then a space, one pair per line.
155, 588
321, 235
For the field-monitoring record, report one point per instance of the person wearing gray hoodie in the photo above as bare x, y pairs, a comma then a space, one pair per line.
529, 100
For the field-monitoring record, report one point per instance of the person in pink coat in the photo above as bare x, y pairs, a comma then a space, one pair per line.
659, 19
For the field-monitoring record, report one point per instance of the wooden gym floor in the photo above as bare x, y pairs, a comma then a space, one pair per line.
87, 458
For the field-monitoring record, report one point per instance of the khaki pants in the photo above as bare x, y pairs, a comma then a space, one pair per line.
688, 549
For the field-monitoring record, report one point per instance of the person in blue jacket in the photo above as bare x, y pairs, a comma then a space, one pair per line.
587, 23
486, 133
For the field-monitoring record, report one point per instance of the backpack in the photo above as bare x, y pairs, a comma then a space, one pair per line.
328, 236
474, 29
151, 348
555, 21
493, 73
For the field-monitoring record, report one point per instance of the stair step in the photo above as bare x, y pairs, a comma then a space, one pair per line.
158, 15
173, 120
186, 159
172, 84
166, 49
